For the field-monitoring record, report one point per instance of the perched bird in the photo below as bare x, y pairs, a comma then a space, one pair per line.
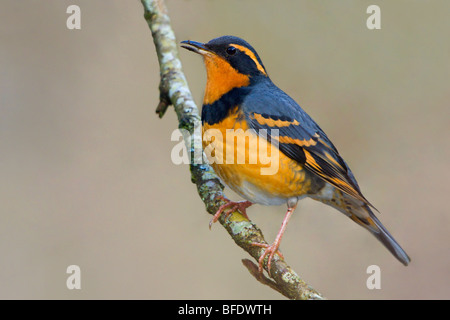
240, 99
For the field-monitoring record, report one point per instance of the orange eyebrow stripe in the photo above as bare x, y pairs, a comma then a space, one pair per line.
251, 55
273, 123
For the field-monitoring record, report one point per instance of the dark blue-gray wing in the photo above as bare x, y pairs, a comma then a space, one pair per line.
299, 137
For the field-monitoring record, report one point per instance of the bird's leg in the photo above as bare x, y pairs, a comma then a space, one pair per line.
231, 206
272, 249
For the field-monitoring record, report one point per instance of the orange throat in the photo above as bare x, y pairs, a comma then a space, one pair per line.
221, 78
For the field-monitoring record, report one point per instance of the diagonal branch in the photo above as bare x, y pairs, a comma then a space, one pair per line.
174, 91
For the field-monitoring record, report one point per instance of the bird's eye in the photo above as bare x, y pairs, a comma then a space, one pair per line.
231, 50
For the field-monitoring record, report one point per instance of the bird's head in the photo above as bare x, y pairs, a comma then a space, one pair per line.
230, 62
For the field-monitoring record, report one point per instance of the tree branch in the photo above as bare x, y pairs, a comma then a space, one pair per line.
174, 91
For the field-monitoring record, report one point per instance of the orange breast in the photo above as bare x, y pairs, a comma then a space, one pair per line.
249, 165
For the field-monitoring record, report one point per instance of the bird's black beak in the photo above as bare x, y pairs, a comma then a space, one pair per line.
195, 46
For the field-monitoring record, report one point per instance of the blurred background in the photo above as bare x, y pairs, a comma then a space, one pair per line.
86, 176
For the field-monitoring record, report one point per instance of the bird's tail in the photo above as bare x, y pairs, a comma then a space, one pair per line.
371, 223
363, 215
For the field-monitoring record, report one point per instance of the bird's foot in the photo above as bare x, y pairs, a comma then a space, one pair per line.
229, 207
270, 251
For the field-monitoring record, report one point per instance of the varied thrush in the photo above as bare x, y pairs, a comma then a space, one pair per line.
240, 99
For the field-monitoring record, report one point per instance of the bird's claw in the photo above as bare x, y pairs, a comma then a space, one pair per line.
230, 207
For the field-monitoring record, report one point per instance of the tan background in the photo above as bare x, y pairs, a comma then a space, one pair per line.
86, 176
